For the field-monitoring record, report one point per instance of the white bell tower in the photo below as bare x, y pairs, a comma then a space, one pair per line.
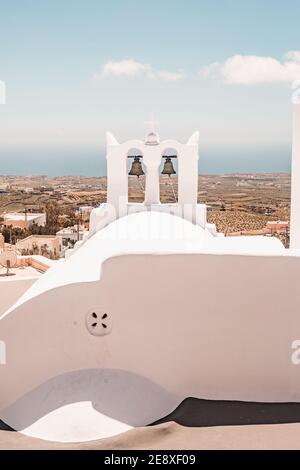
153, 150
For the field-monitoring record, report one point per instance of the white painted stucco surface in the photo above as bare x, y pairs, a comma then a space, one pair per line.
192, 314
142, 233
12, 289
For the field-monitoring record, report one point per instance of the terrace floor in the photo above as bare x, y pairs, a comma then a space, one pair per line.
195, 424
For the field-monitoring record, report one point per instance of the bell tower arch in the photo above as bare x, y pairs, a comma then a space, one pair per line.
136, 176
168, 187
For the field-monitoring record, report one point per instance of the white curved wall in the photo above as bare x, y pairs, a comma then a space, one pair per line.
11, 290
209, 326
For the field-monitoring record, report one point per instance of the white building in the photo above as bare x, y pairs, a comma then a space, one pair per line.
40, 243
23, 220
151, 307
70, 235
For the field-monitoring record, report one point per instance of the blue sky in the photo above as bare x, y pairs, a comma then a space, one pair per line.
74, 69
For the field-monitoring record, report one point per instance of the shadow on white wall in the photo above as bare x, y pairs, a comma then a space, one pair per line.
106, 400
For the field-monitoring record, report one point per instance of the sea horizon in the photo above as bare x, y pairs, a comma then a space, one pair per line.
91, 161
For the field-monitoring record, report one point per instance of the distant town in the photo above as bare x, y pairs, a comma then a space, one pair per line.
45, 216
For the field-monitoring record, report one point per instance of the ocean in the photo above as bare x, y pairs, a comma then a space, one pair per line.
90, 161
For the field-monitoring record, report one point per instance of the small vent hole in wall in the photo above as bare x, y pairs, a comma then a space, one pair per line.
98, 323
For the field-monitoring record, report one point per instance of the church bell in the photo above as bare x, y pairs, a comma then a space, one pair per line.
136, 168
168, 167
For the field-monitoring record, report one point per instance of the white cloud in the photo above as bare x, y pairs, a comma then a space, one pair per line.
248, 70
170, 76
125, 68
130, 68
293, 56
210, 70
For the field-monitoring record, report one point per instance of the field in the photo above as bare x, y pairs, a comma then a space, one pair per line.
236, 202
